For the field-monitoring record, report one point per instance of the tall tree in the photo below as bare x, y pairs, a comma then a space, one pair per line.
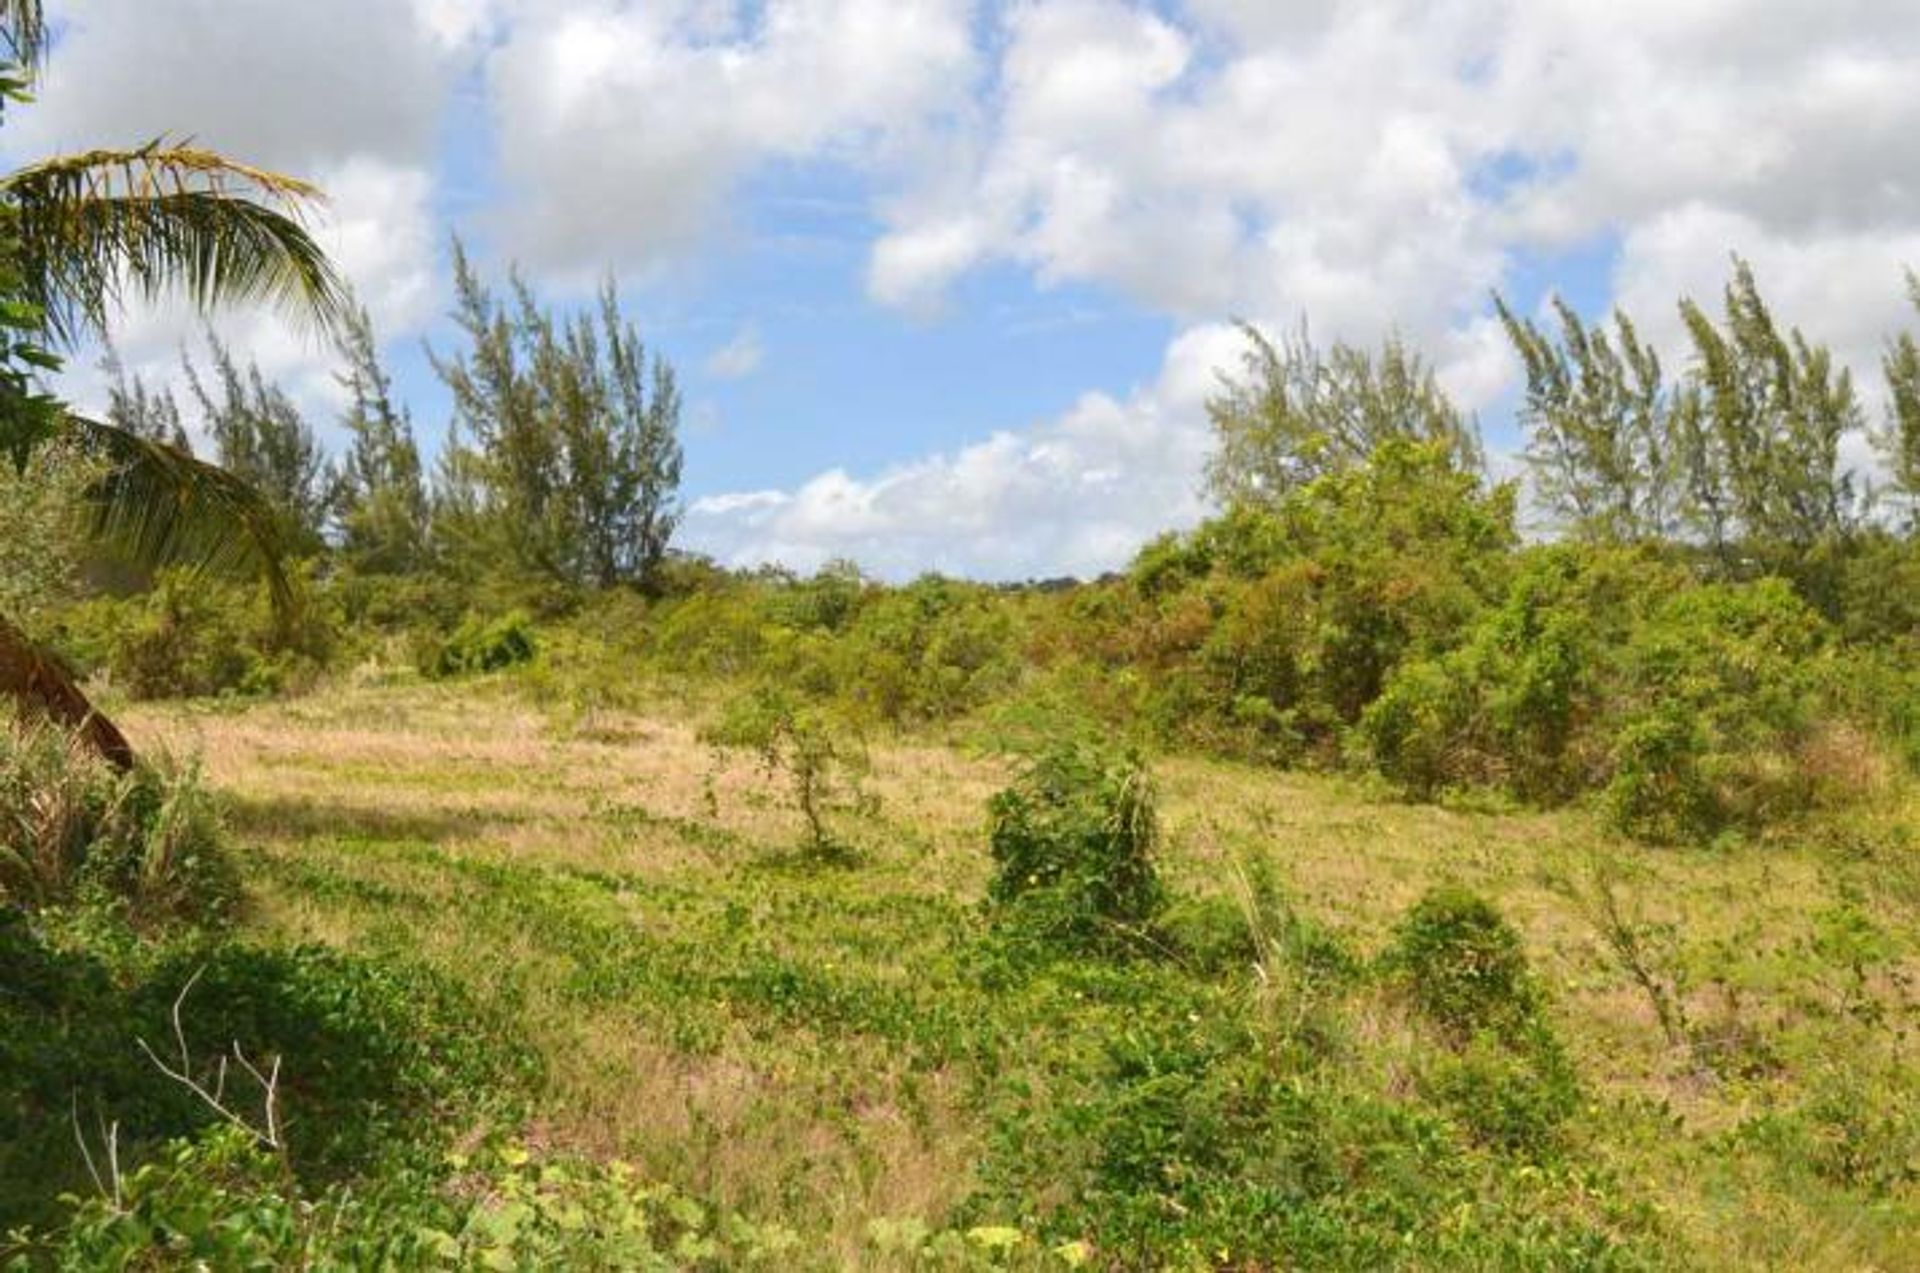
1758, 430
153, 414
381, 495
75, 233
1899, 439
260, 437
1296, 414
1596, 416
565, 455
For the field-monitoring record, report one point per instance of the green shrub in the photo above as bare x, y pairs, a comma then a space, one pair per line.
74, 829
480, 645
191, 636
1462, 965
1073, 841
1513, 1098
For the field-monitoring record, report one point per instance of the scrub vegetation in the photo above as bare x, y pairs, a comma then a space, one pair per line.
417, 862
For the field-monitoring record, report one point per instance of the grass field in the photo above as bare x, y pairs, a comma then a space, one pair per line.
835, 1048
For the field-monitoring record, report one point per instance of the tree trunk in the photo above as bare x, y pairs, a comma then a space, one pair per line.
40, 686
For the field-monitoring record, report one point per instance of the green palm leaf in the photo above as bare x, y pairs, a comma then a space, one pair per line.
159, 218
159, 506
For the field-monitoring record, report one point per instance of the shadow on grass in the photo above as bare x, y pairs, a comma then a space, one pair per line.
306, 818
381, 1062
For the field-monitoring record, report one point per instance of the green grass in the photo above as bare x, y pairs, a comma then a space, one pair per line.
851, 1051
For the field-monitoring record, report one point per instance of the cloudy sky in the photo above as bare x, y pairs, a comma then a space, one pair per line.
947, 282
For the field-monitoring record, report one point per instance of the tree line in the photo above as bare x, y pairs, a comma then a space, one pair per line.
562, 461
1743, 453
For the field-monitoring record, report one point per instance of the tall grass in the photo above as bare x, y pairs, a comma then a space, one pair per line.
73, 829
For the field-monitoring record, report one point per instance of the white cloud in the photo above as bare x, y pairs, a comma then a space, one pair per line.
349, 95
295, 86
1075, 495
621, 126
739, 357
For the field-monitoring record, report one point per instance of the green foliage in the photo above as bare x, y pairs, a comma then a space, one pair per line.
1073, 841
216, 1201
480, 645
380, 1063
1462, 965
260, 437
1719, 695
380, 494
1757, 431
1298, 415
1899, 439
1514, 1099
147, 843
192, 636
1596, 414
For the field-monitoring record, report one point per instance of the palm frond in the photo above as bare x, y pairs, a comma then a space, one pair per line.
42, 687
159, 506
161, 218
23, 31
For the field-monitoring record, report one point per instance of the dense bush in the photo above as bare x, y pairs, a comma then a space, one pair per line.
74, 829
1462, 965
191, 636
1073, 841
480, 645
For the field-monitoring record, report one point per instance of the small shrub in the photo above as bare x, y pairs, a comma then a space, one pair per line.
822, 755
73, 829
1462, 965
1074, 836
1515, 1099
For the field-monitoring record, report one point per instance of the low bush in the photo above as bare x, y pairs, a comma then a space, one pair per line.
1462, 965
1073, 841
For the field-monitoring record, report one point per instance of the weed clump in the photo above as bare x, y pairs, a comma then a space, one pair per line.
75, 830
1073, 841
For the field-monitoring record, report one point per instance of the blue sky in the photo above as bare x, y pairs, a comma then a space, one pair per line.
947, 281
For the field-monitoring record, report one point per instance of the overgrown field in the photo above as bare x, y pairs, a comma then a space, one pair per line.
1693, 1057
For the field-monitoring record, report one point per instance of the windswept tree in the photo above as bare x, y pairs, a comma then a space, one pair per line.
259, 436
146, 412
1296, 414
1757, 431
80, 233
381, 505
1596, 413
565, 454
1899, 439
